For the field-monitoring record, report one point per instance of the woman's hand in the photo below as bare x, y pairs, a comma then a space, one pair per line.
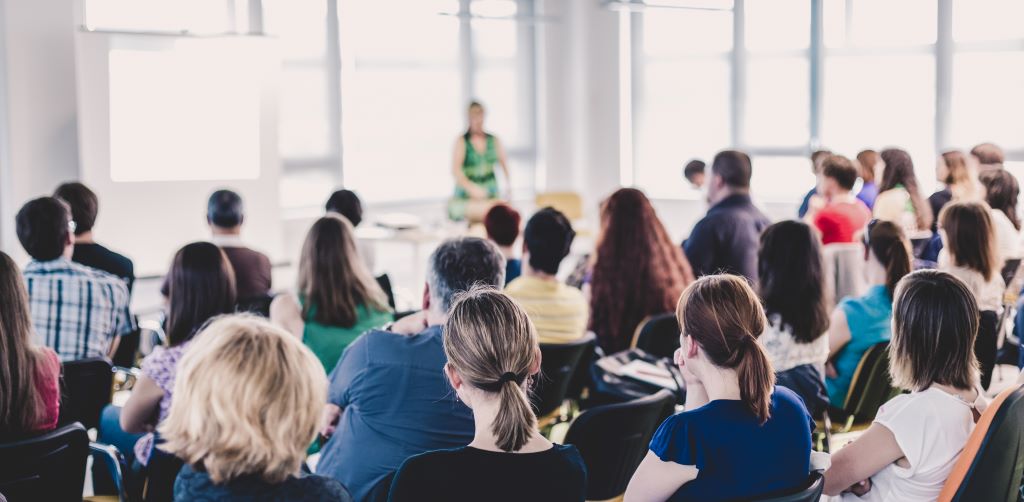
329, 420
476, 191
830, 370
688, 376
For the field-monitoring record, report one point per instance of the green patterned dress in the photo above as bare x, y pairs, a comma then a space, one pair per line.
478, 167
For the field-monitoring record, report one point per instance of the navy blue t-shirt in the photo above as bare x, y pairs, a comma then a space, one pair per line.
737, 457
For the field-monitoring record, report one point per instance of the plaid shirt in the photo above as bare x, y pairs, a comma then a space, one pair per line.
76, 310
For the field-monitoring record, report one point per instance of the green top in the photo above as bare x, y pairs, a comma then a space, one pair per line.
479, 168
328, 342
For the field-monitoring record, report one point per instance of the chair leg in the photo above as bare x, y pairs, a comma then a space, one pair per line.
827, 447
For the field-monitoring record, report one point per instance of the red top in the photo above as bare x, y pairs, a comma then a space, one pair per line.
48, 390
840, 221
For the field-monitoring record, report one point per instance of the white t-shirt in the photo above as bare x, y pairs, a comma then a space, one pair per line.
1007, 237
931, 428
785, 352
988, 294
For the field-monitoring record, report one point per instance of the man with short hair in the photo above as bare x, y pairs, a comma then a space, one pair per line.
989, 156
388, 392
694, 173
726, 239
837, 213
77, 311
84, 208
558, 311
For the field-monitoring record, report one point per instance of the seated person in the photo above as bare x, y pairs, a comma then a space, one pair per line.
836, 213
247, 406
493, 355
858, 323
78, 311
30, 383
347, 204
84, 208
502, 224
989, 156
870, 165
694, 173
817, 163
558, 311
899, 198
916, 438
337, 297
388, 394
740, 436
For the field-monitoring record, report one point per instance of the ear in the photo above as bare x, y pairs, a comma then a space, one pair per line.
536, 361
691, 350
426, 296
453, 376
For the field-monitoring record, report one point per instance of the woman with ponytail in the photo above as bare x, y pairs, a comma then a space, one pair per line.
493, 355
740, 436
860, 322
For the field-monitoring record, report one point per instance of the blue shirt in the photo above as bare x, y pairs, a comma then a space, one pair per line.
869, 318
513, 269
805, 204
868, 193
737, 457
726, 239
397, 403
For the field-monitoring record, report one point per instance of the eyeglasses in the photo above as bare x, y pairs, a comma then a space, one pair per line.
72, 226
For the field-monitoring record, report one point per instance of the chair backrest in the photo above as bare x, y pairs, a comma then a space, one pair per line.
86, 388
259, 305
614, 438
161, 471
1009, 270
871, 385
384, 281
844, 270
557, 368
568, 203
658, 335
810, 492
128, 348
46, 467
992, 462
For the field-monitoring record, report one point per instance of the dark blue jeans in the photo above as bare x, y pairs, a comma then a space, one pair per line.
110, 432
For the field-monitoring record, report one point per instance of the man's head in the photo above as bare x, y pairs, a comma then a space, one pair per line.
838, 175
694, 173
730, 173
818, 160
988, 155
547, 240
83, 202
45, 227
224, 210
502, 224
458, 264
347, 204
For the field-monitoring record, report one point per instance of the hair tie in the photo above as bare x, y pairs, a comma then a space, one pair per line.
509, 376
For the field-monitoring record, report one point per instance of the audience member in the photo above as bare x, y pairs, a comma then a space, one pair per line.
817, 162
84, 208
960, 180
970, 255
247, 405
989, 156
493, 356
837, 213
29, 374
858, 323
694, 173
77, 311
347, 204
636, 270
899, 200
792, 291
338, 299
502, 224
737, 425
202, 286
909, 451
388, 394
559, 312
1002, 193
870, 165
725, 240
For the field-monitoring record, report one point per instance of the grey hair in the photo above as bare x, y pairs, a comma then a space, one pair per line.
459, 264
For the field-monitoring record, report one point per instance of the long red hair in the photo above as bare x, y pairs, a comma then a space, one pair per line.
637, 269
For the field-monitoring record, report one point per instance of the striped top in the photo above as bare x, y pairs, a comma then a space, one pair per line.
77, 311
558, 311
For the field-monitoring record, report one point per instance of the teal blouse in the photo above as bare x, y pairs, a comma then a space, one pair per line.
870, 319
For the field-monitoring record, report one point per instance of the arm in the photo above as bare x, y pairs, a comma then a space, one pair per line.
286, 313
113, 347
503, 162
863, 458
458, 157
139, 413
838, 332
657, 480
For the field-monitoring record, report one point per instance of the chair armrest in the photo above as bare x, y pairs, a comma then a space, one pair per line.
115, 463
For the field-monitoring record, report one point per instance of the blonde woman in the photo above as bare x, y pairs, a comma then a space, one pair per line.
493, 353
247, 403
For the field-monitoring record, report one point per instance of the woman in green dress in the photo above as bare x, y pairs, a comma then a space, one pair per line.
338, 299
476, 185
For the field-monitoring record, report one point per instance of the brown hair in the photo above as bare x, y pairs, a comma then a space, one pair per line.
491, 343
988, 154
723, 315
969, 237
891, 248
201, 286
1002, 193
333, 280
21, 407
818, 158
899, 170
867, 159
733, 167
840, 169
935, 322
637, 269
961, 184
83, 202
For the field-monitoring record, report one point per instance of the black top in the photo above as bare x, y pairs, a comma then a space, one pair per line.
727, 238
468, 473
98, 257
195, 485
938, 200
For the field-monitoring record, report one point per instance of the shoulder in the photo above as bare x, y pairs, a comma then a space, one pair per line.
116, 284
427, 465
48, 364
319, 488
785, 399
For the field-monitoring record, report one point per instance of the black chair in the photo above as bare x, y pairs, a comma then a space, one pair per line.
160, 473
986, 345
385, 283
810, 492
86, 387
870, 387
128, 348
46, 467
614, 438
1010, 270
658, 335
557, 368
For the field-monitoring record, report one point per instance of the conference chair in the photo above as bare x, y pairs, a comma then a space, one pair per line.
986, 345
810, 492
991, 464
870, 388
568, 203
128, 348
657, 335
86, 387
613, 439
843, 270
557, 368
385, 284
